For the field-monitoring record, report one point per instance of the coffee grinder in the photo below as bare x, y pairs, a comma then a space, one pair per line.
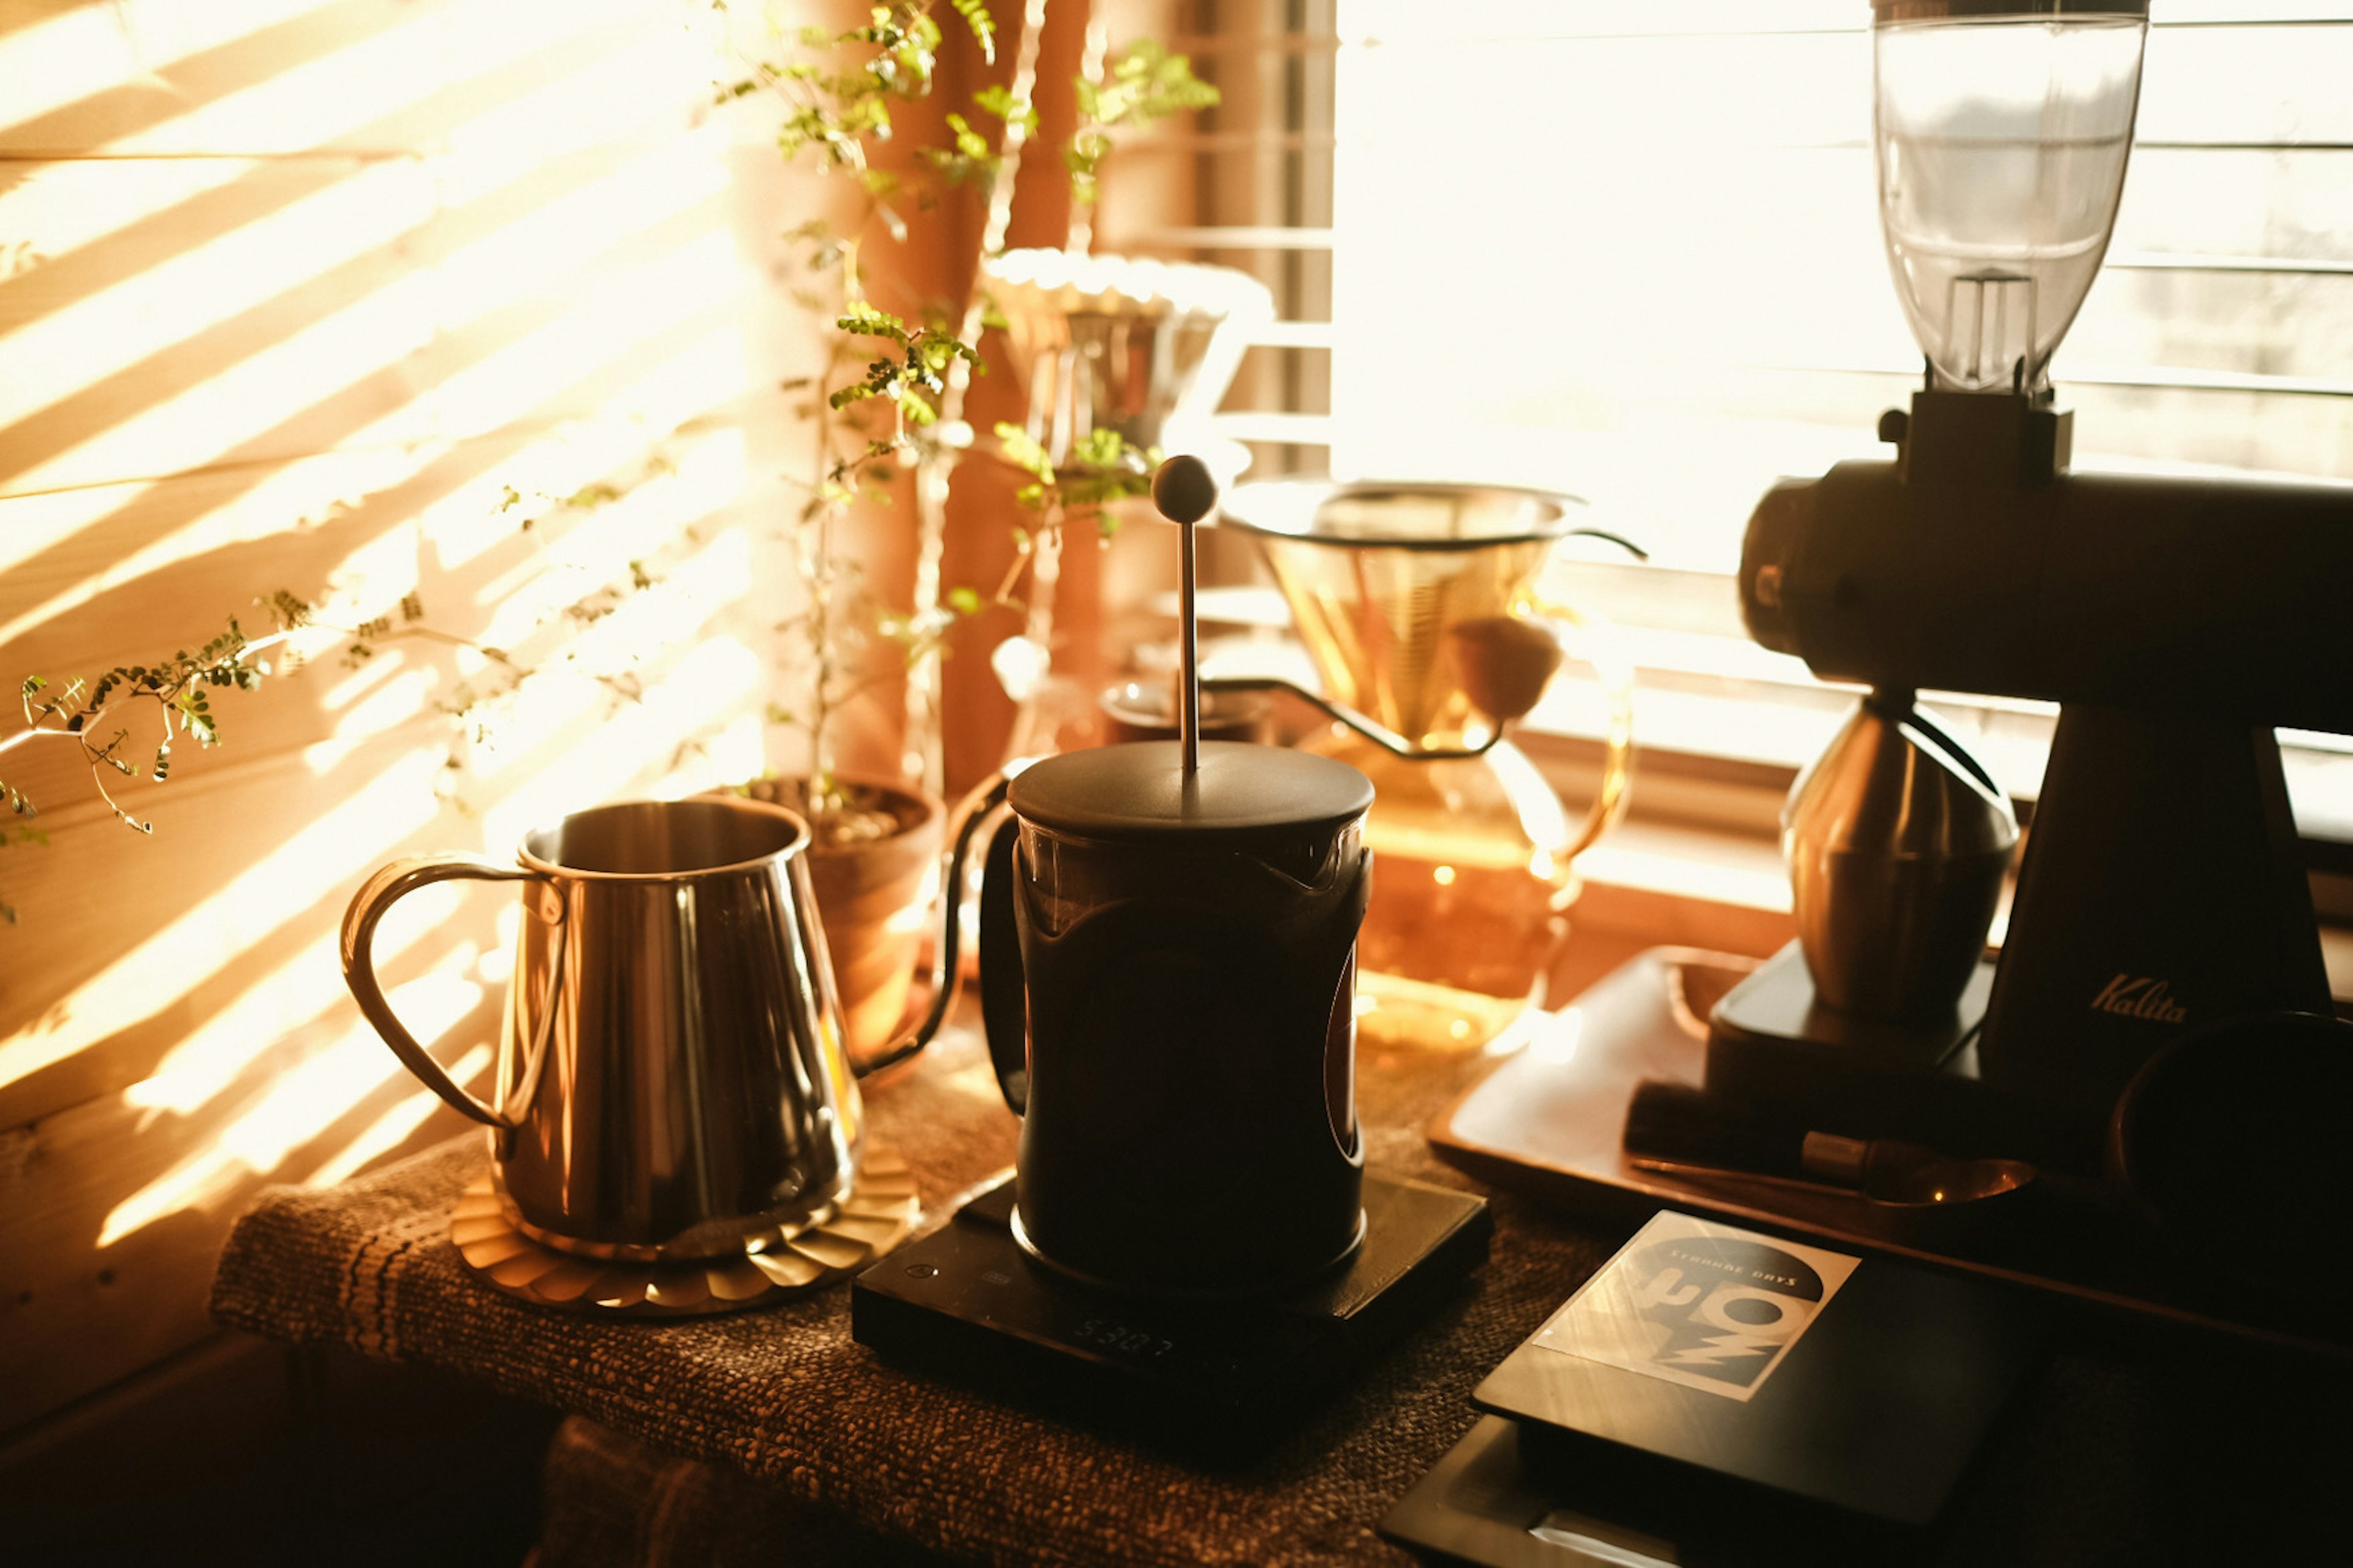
2175, 620
1190, 1246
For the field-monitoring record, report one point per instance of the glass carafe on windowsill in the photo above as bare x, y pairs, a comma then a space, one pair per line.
1419, 605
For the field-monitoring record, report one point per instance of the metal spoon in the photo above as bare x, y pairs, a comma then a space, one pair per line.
1677, 1127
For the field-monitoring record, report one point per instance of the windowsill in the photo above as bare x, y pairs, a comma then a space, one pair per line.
1654, 886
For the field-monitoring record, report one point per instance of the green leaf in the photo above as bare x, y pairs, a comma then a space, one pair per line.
1023, 453
861, 320
1000, 102
982, 25
1100, 448
1145, 82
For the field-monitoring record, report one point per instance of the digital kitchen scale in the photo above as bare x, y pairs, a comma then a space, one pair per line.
969, 1304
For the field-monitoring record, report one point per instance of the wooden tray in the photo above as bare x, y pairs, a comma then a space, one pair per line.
1548, 1121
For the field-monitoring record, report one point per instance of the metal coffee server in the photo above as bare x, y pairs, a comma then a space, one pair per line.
1421, 606
1897, 841
672, 1079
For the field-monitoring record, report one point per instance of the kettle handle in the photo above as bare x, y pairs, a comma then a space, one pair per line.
976, 812
377, 895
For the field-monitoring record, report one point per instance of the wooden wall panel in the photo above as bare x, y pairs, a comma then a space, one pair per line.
167, 79
350, 312
78, 1316
327, 722
88, 75
362, 300
279, 336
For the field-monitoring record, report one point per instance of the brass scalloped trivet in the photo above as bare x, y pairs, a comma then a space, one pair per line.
881, 1209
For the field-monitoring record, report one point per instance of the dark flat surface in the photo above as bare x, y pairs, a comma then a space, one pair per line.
1505, 1497
1483, 1504
1877, 1408
969, 1302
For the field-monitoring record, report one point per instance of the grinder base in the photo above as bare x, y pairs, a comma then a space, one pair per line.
1772, 1043
967, 1303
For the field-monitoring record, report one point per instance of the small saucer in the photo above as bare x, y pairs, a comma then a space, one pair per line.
833, 1243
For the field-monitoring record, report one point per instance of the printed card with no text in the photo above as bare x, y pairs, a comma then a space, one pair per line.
1708, 1306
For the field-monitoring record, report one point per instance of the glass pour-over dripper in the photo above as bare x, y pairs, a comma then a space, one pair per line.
2001, 128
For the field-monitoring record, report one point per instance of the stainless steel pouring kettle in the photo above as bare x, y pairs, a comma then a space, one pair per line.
671, 1081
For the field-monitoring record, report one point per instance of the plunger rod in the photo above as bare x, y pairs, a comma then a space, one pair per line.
1188, 715
1185, 493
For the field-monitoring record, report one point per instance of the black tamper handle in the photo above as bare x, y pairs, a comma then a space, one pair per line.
1680, 1124
1186, 493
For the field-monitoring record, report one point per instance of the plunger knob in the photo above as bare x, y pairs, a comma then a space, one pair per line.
1183, 490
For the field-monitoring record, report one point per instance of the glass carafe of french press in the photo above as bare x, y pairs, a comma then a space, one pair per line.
1179, 951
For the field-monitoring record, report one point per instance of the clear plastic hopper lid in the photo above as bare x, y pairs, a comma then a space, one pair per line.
2002, 132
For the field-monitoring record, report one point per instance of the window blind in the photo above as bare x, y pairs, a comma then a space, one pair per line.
1629, 249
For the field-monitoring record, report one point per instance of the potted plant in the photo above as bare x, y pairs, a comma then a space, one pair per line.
884, 409
872, 409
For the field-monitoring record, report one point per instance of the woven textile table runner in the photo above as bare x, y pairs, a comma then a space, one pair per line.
784, 1395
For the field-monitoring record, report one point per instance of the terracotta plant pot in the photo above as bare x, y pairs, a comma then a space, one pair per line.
874, 898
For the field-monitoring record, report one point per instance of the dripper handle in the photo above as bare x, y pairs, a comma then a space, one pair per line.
1617, 676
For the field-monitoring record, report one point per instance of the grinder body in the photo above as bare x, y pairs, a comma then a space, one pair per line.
2176, 621
2229, 598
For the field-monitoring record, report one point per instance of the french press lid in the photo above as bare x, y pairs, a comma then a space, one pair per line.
1138, 790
